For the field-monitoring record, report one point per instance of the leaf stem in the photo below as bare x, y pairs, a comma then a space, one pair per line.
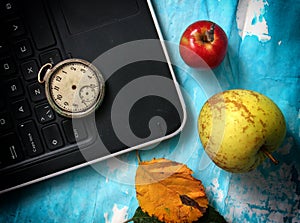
138, 156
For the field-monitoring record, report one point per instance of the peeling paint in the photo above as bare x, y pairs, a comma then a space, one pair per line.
251, 21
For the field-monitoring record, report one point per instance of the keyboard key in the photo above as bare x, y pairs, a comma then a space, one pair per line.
39, 24
52, 137
2, 97
15, 27
21, 109
30, 70
52, 56
3, 47
14, 87
36, 92
74, 134
7, 66
23, 49
31, 139
5, 121
7, 7
11, 150
2, 101
44, 113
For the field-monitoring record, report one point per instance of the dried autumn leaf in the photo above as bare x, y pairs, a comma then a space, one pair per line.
167, 190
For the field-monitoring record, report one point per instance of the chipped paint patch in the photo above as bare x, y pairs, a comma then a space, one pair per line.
119, 215
251, 21
255, 197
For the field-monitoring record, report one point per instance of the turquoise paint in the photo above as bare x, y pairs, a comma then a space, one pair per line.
254, 20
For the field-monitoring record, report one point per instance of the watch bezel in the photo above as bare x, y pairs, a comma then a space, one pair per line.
59, 109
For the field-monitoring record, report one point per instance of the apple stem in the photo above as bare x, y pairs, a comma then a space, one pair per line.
209, 35
269, 155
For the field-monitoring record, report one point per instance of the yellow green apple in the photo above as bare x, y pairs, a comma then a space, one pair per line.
240, 128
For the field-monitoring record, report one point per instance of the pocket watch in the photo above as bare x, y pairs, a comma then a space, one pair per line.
74, 87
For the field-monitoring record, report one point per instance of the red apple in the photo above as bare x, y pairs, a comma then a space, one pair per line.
203, 43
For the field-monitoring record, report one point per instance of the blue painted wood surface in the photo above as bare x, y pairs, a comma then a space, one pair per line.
263, 55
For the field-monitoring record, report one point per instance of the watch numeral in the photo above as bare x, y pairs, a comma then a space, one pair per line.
59, 97
65, 72
56, 88
58, 78
73, 68
82, 70
66, 103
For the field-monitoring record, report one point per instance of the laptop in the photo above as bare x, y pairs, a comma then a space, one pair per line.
142, 104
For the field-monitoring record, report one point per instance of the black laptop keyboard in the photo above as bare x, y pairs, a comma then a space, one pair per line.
29, 129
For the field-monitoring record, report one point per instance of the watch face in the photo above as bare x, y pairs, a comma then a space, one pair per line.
75, 88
